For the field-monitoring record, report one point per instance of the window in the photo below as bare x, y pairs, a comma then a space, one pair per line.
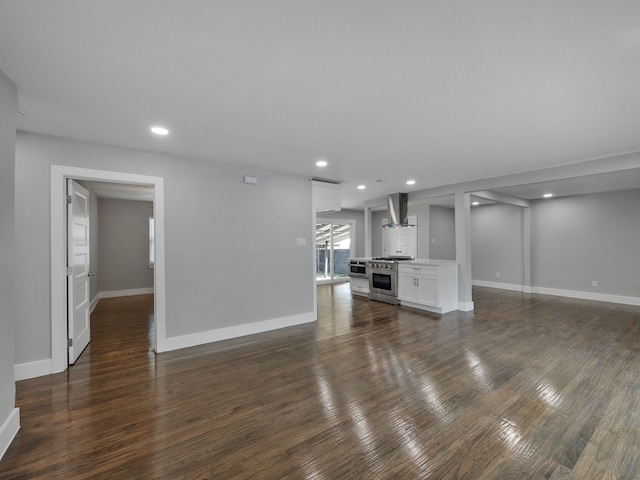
152, 243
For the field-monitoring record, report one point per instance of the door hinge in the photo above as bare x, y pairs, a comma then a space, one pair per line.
69, 200
69, 271
69, 342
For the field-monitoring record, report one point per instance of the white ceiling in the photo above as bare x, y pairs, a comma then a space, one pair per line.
438, 91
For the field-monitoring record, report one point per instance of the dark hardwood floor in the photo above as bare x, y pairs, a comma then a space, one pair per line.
527, 386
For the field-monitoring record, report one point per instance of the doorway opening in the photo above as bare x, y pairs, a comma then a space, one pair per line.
59, 176
334, 247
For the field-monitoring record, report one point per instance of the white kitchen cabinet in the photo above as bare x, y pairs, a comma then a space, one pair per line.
359, 286
429, 285
400, 240
326, 196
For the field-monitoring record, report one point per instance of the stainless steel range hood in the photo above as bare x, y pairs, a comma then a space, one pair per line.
398, 210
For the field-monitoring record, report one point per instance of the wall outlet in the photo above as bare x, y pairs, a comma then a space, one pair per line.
433, 240
249, 180
594, 283
497, 274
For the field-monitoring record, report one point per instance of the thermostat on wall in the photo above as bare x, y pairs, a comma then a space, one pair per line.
250, 180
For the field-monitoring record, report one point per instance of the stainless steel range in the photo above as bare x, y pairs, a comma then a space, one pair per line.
383, 278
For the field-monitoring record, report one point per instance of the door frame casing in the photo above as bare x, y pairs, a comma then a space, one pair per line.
59, 176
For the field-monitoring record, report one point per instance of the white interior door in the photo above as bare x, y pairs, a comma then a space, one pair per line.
78, 275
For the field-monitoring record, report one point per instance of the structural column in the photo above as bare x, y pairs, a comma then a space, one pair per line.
526, 249
463, 250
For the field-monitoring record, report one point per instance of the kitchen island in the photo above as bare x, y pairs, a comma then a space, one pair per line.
428, 284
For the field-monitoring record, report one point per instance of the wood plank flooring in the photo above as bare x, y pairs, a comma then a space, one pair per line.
527, 387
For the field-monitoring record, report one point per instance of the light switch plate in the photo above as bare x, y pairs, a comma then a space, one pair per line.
302, 241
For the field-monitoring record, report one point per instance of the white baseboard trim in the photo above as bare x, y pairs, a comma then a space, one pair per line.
502, 286
94, 303
126, 293
599, 297
465, 306
191, 340
23, 371
8, 430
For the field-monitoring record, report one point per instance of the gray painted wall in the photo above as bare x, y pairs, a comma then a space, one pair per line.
123, 239
8, 95
422, 214
497, 243
576, 240
356, 215
442, 233
93, 245
376, 232
231, 253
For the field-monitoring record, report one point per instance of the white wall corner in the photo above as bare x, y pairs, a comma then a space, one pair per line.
191, 340
9, 430
24, 371
126, 293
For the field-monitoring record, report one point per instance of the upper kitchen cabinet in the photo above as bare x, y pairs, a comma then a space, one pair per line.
400, 240
327, 197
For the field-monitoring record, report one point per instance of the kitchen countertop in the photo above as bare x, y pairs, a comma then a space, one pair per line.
428, 261
417, 261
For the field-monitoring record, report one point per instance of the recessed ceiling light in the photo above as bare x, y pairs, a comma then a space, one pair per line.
411, 182
475, 203
159, 130
548, 195
321, 163
361, 187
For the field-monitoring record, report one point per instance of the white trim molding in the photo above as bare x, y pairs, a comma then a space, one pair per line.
502, 286
193, 339
8, 430
557, 292
59, 175
465, 306
598, 297
94, 303
24, 371
126, 293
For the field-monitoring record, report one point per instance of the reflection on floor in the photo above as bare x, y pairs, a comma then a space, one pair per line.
527, 386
